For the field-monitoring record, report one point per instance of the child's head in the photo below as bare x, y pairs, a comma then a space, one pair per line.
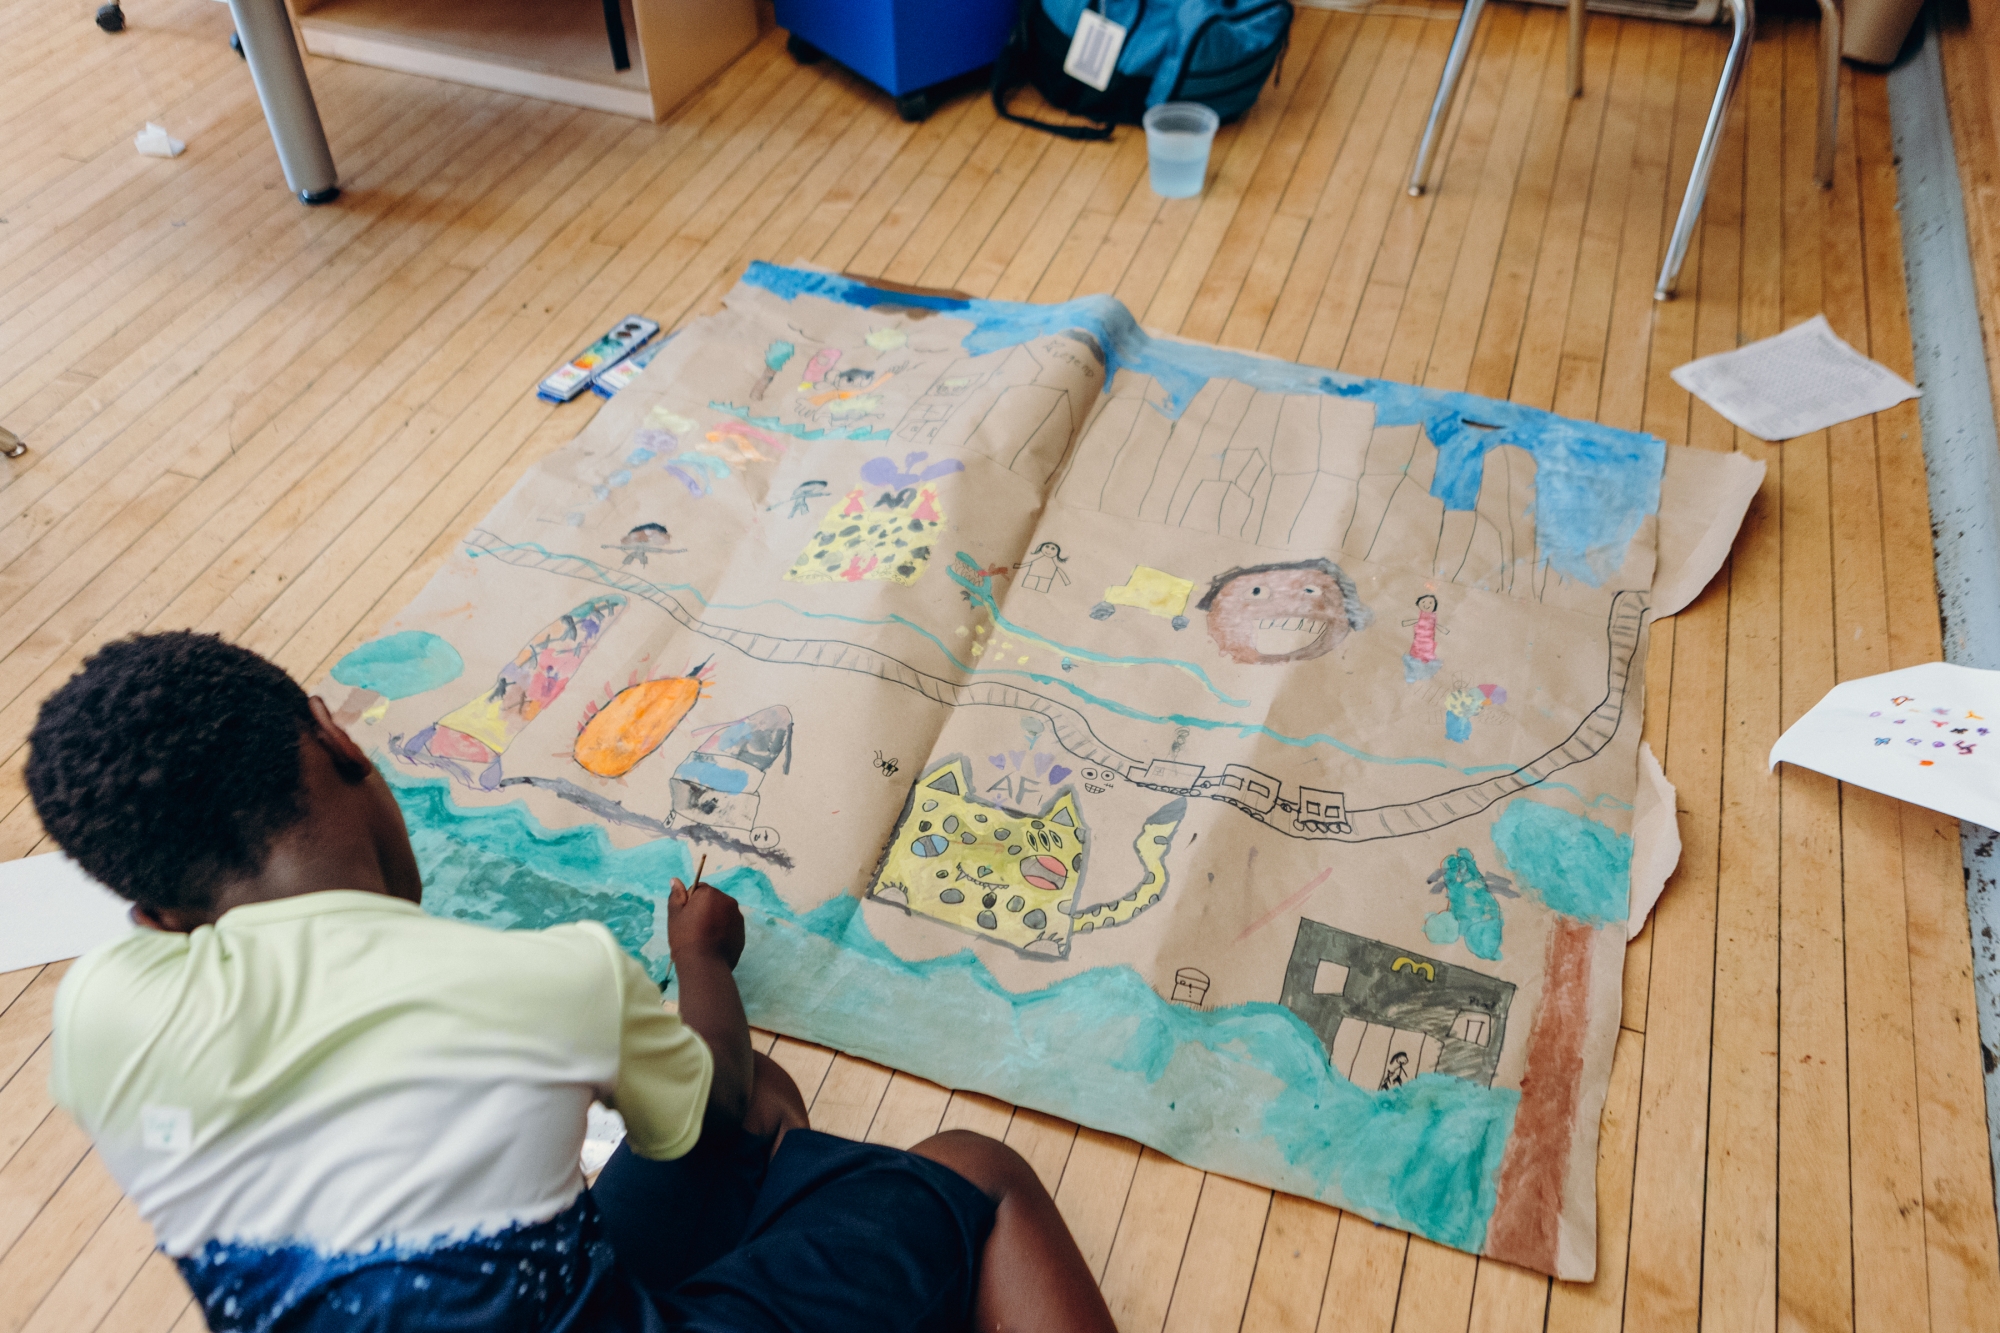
170, 764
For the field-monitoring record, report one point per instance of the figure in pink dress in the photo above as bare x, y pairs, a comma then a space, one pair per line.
1421, 662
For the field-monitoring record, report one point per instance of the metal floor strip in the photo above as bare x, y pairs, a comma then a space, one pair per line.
1961, 456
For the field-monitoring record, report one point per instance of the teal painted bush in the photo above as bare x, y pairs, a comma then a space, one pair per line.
1576, 865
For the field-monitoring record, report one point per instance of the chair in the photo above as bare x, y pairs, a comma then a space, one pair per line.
1743, 17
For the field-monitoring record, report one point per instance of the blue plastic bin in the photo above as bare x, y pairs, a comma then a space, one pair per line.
900, 46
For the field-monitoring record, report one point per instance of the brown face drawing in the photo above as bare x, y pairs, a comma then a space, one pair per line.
1282, 613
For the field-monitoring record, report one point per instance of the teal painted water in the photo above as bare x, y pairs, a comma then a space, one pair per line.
1245, 1090
400, 665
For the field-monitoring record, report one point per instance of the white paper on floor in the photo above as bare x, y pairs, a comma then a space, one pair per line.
50, 910
1926, 734
154, 141
1803, 380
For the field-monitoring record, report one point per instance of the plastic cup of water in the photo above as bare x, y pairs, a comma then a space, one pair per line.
1178, 136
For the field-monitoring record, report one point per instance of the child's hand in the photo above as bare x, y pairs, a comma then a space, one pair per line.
704, 921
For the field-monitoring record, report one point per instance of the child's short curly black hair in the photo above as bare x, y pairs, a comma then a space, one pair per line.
169, 763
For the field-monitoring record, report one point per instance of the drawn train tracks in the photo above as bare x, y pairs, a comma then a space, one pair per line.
1311, 813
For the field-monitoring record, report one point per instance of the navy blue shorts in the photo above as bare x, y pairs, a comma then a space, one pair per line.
828, 1236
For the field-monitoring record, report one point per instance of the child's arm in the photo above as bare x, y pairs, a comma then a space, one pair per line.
705, 936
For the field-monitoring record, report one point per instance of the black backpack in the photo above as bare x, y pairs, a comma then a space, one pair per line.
1217, 52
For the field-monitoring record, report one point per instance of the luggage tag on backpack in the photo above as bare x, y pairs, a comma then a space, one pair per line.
625, 337
1093, 51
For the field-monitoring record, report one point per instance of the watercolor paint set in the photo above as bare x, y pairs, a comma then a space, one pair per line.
611, 379
625, 338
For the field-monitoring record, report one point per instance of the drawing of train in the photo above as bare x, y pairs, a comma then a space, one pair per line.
1249, 790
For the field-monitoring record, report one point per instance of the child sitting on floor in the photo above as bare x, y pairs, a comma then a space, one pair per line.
339, 1113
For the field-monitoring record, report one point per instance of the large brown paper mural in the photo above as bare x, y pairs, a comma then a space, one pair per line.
1222, 752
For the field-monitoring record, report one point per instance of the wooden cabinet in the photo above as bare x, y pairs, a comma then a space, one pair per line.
557, 50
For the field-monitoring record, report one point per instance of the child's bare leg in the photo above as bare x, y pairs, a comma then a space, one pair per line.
776, 1104
1031, 1275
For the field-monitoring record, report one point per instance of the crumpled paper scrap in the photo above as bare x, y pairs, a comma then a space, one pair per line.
1804, 379
154, 141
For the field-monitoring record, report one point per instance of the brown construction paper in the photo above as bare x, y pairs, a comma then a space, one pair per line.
1240, 758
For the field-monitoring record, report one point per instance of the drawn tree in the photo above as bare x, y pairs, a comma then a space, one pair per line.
1581, 870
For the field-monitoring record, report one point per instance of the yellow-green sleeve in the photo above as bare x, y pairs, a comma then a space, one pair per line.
664, 1070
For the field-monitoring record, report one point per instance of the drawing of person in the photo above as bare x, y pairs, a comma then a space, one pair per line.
1421, 662
1289, 612
645, 540
1043, 567
1398, 1072
802, 497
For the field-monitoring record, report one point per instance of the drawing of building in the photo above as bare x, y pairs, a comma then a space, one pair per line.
1386, 1014
1190, 987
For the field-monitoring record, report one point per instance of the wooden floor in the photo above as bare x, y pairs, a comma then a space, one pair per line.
271, 422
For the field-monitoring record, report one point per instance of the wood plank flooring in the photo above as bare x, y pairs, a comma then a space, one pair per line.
271, 422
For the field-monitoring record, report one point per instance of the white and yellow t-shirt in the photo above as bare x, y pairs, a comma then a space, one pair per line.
339, 1074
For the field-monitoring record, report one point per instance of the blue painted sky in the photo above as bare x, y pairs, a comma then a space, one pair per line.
1594, 484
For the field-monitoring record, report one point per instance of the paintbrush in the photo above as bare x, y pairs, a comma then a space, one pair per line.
701, 866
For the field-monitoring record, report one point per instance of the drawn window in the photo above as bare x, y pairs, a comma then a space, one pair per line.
1470, 1025
1330, 978
1259, 789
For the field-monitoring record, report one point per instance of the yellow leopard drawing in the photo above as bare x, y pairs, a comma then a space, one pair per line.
1006, 875
1155, 840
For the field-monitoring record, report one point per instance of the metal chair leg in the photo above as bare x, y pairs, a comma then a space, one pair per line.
1576, 21
1745, 19
614, 28
1454, 65
271, 49
1829, 92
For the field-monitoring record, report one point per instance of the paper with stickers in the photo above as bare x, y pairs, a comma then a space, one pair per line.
1925, 734
1226, 753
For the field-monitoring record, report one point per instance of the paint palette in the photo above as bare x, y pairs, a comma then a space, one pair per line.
607, 382
626, 337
